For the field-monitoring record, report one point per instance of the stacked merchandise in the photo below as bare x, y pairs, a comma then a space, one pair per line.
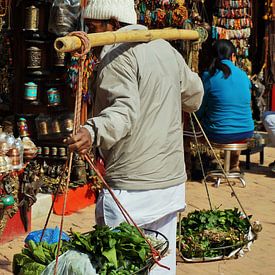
232, 20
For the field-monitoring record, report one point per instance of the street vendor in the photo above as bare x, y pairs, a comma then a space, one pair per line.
141, 90
225, 112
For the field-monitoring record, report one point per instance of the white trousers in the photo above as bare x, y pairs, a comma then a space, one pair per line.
168, 227
269, 123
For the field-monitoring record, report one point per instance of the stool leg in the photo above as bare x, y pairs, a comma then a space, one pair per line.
227, 161
242, 182
247, 162
262, 156
218, 182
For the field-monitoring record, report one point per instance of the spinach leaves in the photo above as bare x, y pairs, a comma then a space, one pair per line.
121, 250
211, 233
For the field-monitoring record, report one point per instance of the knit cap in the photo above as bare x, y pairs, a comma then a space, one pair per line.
123, 10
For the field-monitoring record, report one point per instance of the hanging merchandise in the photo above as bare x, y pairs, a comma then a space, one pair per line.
6, 61
72, 76
9, 188
199, 21
161, 14
269, 10
31, 18
232, 20
64, 16
178, 14
4, 6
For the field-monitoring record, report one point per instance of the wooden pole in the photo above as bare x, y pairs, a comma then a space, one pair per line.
73, 43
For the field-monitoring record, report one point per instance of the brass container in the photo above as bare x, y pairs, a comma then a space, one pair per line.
54, 97
14, 156
54, 151
56, 127
34, 55
39, 150
68, 124
59, 60
46, 151
30, 91
43, 128
23, 127
31, 18
62, 151
79, 171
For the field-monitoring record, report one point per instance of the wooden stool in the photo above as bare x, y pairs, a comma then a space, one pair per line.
227, 148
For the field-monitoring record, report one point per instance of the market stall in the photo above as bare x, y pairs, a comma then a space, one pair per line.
43, 113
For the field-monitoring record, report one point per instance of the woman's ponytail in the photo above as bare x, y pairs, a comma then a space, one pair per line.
222, 49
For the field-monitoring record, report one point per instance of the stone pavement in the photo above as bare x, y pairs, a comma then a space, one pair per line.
258, 199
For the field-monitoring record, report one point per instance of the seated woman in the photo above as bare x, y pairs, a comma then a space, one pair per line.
225, 112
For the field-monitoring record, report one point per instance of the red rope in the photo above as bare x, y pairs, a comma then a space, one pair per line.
81, 54
155, 254
85, 47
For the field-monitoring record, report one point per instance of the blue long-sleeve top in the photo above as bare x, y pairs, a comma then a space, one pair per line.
226, 104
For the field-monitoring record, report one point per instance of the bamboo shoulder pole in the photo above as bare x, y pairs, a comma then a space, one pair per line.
73, 43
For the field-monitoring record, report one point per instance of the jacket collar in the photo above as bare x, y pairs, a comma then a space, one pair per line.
108, 48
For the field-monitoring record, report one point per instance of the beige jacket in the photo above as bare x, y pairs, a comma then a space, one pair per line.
141, 90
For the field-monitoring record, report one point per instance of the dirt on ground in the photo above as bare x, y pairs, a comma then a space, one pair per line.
257, 198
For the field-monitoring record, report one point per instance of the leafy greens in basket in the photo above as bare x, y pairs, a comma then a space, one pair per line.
211, 233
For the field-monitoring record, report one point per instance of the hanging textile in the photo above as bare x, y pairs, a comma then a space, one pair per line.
232, 20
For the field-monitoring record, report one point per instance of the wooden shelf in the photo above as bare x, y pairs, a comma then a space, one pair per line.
4, 107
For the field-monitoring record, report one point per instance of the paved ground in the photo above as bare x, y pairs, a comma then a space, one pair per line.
258, 199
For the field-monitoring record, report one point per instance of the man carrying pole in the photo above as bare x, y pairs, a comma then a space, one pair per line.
141, 91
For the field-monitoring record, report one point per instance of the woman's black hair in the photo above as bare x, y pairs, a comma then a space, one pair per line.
222, 49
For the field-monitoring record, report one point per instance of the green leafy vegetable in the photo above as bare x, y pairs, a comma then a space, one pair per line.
211, 233
34, 258
121, 250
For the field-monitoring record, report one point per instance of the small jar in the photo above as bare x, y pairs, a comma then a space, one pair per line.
56, 127
30, 91
59, 59
43, 128
54, 151
46, 151
39, 151
14, 156
68, 124
31, 18
23, 127
62, 152
34, 55
54, 97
